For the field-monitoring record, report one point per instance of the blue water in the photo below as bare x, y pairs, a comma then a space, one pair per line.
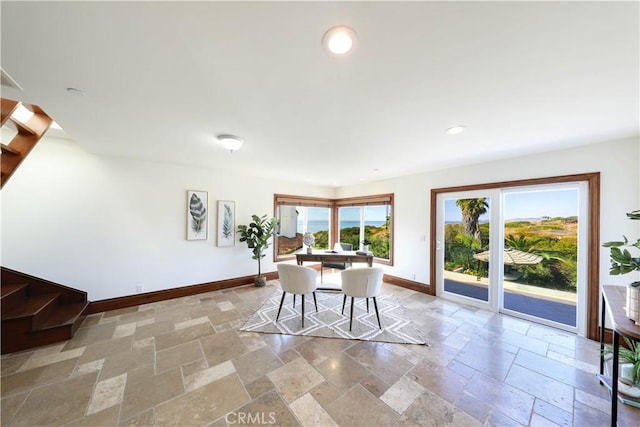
319, 225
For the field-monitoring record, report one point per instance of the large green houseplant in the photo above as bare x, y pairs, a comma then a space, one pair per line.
623, 262
257, 235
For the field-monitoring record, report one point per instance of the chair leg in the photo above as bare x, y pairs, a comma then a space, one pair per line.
351, 317
367, 305
375, 304
280, 308
344, 301
294, 300
303, 311
315, 301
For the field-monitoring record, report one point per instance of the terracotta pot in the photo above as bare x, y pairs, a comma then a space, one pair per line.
260, 281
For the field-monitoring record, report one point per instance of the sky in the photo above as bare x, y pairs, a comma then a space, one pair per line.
533, 204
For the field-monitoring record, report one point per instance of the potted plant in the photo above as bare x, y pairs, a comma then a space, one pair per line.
365, 245
630, 371
257, 235
622, 262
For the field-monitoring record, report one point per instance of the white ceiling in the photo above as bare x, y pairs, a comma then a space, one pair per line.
162, 79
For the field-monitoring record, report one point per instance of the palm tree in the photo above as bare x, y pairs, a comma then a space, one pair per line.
467, 246
521, 242
471, 211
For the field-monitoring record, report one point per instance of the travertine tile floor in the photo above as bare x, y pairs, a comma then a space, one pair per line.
183, 362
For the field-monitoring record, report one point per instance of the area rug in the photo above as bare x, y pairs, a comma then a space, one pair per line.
328, 322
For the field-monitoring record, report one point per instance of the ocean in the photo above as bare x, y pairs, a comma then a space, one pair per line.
319, 225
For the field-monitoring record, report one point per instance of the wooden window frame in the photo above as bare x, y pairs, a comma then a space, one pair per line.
333, 205
593, 244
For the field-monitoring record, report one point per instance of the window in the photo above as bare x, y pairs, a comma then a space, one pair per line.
296, 216
352, 220
367, 219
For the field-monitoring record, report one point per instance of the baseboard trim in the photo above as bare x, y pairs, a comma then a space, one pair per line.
409, 284
184, 291
166, 294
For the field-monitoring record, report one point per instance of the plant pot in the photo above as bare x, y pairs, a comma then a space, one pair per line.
365, 248
626, 373
260, 281
633, 304
629, 390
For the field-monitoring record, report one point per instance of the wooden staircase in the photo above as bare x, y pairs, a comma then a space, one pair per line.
37, 312
27, 136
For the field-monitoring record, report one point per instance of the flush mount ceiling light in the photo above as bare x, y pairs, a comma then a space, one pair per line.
339, 40
455, 130
231, 142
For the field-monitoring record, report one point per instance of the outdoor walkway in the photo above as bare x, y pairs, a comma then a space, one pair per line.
550, 304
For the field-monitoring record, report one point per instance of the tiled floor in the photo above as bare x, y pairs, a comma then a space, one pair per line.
183, 362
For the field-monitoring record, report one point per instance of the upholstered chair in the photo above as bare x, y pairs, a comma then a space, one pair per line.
297, 280
362, 283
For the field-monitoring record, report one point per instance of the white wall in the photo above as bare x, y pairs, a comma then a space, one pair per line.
106, 224
617, 162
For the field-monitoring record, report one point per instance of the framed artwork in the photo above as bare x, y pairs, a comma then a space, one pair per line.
226, 223
197, 207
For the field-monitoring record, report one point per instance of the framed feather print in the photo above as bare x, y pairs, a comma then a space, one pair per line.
197, 210
226, 223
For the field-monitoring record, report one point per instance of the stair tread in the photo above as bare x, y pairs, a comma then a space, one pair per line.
64, 314
30, 306
36, 311
6, 149
11, 288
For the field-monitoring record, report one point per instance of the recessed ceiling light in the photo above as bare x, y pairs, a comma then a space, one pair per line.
456, 129
339, 40
231, 142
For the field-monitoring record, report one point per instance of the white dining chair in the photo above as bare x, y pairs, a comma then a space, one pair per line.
362, 283
297, 280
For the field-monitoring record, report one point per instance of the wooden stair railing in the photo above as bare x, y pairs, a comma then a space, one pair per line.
37, 312
27, 136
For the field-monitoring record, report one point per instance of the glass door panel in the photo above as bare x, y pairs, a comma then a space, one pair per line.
466, 247
541, 253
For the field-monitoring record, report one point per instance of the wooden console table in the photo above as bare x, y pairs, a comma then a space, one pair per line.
613, 302
327, 256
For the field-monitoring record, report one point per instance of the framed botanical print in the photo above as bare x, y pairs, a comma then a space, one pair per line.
197, 202
226, 223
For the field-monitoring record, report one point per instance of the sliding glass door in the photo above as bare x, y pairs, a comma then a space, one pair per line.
519, 251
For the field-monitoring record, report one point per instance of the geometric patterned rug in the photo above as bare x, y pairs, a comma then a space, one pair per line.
328, 322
